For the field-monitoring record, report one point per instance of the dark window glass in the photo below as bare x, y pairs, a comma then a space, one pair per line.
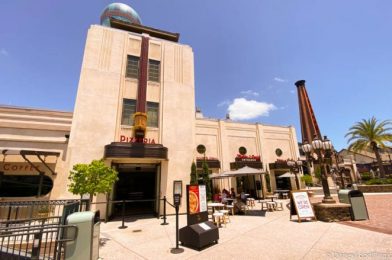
129, 108
24, 185
154, 69
132, 67
152, 114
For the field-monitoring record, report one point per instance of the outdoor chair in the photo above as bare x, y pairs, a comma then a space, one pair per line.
271, 206
230, 208
278, 205
250, 202
226, 217
263, 204
218, 219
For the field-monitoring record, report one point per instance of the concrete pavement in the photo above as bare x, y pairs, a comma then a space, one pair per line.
262, 235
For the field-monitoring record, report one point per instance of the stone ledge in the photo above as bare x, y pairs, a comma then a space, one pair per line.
332, 212
375, 188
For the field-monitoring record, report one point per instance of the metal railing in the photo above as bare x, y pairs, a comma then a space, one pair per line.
39, 238
14, 210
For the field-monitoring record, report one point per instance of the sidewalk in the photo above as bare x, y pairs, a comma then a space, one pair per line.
272, 236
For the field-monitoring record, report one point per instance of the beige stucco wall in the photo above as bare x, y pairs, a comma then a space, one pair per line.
103, 85
222, 139
38, 130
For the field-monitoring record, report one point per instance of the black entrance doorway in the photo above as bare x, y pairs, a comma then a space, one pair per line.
137, 185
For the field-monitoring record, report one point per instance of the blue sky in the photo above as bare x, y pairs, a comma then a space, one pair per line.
248, 55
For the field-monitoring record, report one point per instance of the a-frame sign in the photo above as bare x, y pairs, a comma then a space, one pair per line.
300, 205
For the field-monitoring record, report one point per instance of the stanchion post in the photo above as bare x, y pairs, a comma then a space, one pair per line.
123, 215
164, 211
177, 207
177, 193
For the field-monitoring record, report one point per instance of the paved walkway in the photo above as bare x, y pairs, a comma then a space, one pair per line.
380, 213
264, 235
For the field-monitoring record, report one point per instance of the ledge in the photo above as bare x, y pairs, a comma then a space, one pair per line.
375, 188
135, 150
332, 212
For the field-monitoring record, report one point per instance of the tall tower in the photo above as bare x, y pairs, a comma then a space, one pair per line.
309, 126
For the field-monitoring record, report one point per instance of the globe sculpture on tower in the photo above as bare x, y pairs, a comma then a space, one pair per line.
121, 12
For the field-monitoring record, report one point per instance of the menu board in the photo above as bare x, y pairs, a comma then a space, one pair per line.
197, 198
303, 207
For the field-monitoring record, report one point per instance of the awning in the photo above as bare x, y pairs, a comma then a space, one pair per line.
39, 154
244, 171
286, 175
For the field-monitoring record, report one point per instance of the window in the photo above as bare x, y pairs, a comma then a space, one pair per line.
24, 185
152, 114
129, 108
132, 67
154, 68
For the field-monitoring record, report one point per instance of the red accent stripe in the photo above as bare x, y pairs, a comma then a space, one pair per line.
143, 69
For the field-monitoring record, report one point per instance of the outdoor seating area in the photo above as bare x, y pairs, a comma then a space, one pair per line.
226, 204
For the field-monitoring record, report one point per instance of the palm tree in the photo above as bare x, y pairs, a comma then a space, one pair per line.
370, 134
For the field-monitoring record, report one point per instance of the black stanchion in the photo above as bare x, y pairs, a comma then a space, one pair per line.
177, 250
123, 215
164, 211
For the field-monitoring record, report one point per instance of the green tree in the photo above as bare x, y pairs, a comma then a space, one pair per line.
370, 134
194, 175
92, 179
206, 180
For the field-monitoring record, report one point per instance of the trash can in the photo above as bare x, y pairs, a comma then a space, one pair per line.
358, 205
357, 201
86, 245
343, 196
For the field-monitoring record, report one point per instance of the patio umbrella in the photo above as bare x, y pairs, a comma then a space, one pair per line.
286, 175
244, 171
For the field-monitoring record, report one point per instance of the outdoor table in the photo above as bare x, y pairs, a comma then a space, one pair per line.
281, 192
214, 205
272, 197
229, 201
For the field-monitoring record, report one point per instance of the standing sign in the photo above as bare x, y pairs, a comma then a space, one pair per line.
196, 204
300, 205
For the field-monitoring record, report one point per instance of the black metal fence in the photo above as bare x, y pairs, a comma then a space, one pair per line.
14, 210
37, 238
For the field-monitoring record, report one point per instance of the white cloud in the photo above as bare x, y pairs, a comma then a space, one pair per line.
224, 103
243, 109
292, 91
3, 52
250, 93
280, 79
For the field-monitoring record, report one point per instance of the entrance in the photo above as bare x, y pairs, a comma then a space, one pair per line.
282, 183
138, 187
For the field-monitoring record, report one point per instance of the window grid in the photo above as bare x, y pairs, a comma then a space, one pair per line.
129, 108
154, 67
152, 114
132, 67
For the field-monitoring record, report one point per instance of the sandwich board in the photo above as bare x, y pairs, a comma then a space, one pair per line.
300, 205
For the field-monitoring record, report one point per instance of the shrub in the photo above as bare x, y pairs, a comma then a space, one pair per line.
307, 179
366, 176
378, 181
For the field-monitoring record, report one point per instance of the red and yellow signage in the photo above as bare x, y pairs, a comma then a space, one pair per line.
197, 199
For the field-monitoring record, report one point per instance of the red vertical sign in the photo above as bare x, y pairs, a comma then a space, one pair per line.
194, 201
